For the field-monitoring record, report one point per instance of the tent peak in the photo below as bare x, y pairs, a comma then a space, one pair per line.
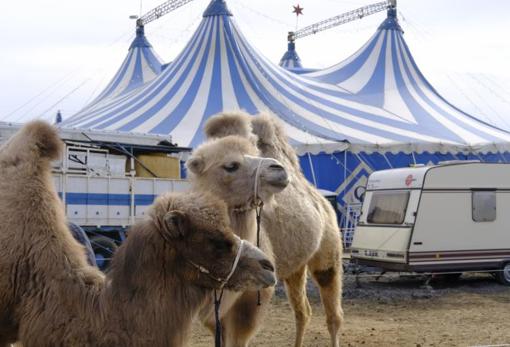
391, 21
217, 8
140, 39
291, 59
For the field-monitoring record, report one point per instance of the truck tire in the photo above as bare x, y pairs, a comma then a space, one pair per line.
503, 276
104, 248
81, 236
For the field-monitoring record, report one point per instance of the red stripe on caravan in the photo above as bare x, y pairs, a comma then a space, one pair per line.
459, 254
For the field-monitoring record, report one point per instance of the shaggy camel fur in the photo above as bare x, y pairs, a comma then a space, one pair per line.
227, 168
50, 297
302, 224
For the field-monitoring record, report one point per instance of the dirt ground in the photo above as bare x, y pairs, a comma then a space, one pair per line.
396, 311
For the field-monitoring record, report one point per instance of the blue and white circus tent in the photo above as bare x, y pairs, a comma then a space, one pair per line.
140, 66
383, 73
341, 133
291, 60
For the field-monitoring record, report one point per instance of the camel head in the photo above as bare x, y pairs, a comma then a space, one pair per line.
231, 169
196, 227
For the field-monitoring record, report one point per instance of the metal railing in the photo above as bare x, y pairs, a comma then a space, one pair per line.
349, 221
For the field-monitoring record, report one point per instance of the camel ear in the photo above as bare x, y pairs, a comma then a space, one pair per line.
196, 165
175, 224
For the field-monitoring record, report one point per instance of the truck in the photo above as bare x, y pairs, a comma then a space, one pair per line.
448, 218
107, 180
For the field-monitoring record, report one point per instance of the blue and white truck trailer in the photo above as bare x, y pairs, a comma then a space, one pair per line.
98, 179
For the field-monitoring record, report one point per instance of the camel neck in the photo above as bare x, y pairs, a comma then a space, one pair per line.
147, 296
156, 316
245, 223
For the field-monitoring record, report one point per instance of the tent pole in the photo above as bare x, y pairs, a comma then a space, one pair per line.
345, 173
503, 160
312, 169
387, 161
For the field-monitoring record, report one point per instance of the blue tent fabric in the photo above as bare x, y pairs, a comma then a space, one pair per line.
219, 70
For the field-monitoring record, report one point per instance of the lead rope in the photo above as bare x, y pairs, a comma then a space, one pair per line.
217, 303
259, 204
217, 298
258, 211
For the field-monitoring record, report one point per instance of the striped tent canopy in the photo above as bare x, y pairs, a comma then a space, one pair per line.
140, 66
384, 74
219, 70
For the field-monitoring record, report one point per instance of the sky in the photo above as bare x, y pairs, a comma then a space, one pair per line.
57, 55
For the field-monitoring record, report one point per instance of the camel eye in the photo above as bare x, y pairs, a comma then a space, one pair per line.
232, 167
222, 245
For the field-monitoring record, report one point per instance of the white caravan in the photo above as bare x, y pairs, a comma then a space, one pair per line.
451, 217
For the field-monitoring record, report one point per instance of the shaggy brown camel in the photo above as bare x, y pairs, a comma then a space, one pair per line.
228, 168
160, 276
301, 225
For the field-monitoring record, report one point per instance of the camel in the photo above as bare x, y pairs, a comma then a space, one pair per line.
302, 225
229, 168
159, 278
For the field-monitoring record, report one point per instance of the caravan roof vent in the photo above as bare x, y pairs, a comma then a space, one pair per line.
449, 162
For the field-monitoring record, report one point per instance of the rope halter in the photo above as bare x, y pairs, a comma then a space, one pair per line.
221, 281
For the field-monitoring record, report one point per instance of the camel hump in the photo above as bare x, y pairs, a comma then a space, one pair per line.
266, 128
225, 124
40, 136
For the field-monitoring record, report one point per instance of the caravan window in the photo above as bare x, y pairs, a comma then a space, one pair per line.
484, 206
388, 207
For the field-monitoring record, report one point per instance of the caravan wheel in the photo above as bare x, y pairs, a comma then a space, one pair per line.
503, 276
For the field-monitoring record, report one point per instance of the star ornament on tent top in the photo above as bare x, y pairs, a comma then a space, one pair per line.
298, 10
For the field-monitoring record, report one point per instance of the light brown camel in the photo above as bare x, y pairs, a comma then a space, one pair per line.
228, 168
301, 225
159, 279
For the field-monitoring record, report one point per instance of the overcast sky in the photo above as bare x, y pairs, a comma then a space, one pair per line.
59, 54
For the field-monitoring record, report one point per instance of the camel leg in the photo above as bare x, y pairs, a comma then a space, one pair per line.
243, 320
295, 286
327, 272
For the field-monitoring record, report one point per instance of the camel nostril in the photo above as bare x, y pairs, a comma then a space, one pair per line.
266, 265
276, 167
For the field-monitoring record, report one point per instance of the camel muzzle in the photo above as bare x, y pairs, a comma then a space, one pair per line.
265, 275
276, 176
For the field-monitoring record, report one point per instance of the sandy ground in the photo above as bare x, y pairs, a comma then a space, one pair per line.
473, 311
